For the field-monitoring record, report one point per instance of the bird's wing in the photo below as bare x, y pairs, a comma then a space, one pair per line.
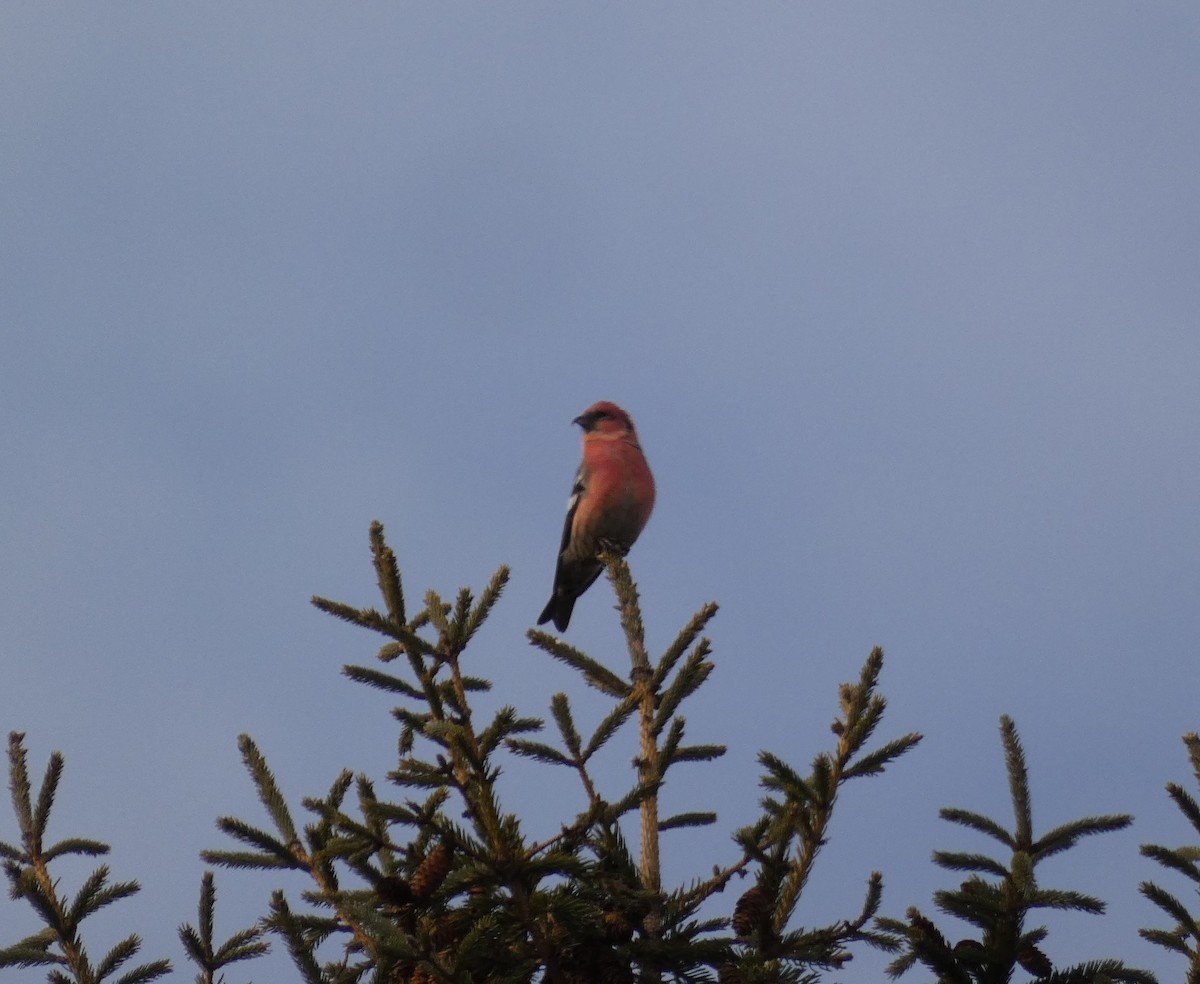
577, 491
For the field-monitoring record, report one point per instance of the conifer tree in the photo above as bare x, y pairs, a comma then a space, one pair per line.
443, 883
430, 877
198, 941
59, 945
1184, 937
999, 896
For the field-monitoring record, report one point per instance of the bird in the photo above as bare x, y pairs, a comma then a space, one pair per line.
610, 503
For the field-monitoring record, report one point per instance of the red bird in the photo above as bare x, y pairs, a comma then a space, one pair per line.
609, 505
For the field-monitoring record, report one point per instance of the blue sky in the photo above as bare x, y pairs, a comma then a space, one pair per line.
903, 299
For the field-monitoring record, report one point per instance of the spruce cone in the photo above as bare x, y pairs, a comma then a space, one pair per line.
729, 973
393, 890
752, 910
1035, 962
432, 872
617, 929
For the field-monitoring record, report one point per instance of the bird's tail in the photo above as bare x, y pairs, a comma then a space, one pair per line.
558, 609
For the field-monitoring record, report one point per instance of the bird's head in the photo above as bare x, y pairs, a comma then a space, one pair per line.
605, 418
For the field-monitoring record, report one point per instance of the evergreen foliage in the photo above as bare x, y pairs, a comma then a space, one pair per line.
1184, 937
59, 945
430, 877
443, 883
198, 942
999, 896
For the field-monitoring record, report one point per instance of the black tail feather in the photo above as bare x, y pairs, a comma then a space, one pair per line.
558, 608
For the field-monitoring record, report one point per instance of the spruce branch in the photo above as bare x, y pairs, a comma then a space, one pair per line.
650, 774
272, 852
301, 938
1184, 937
697, 753
367, 618
785, 842
560, 710
809, 808
960, 861
116, 957
487, 601
1174, 858
595, 674
997, 898
1099, 971
700, 818
437, 711
541, 752
1066, 900
976, 821
45, 799
610, 725
688, 680
1018, 783
312, 851
95, 894
22, 792
683, 641
83, 846
628, 606
1191, 742
926, 944
782, 778
27, 865
1067, 835
387, 572
382, 681
1187, 806
268, 790
654, 697
873, 763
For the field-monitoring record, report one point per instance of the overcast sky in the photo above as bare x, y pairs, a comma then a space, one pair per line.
902, 297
